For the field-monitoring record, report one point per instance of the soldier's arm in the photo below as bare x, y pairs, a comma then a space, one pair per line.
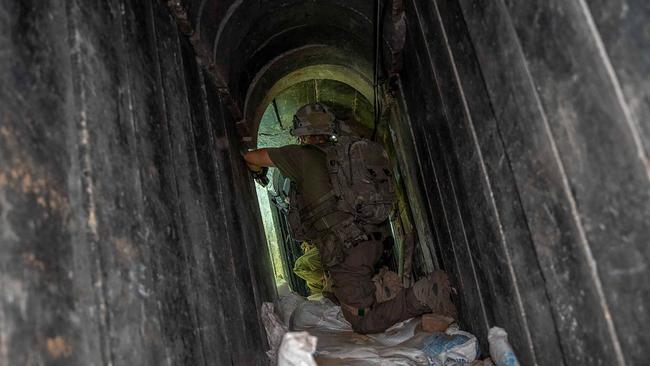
257, 159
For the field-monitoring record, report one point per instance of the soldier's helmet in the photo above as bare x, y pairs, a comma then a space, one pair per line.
314, 119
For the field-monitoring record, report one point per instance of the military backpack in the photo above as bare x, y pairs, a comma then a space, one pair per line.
362, 181
362, 195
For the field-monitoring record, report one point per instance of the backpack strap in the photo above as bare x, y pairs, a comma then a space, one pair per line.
327, 203
329, 211
331, 160
324, 204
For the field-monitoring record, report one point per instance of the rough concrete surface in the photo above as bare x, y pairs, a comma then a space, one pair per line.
129, 229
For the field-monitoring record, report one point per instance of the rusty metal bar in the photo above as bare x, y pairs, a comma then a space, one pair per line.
204, 57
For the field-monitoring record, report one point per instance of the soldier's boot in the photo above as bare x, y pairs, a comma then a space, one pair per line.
434, 292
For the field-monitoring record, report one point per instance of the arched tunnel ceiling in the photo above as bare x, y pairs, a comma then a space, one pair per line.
299, 66
263, 47
347, 103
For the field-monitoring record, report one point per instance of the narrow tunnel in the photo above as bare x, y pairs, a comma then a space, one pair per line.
130, 231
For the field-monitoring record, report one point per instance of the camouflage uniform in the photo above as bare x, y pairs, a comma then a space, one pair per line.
351, 267
339, 220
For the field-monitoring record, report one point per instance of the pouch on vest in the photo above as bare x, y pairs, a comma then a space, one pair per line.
362, 180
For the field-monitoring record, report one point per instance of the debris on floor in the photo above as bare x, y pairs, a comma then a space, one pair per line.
453, 347
500, 350
288, 304
314, 332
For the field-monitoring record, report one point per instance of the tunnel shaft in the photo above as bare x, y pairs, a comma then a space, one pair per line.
129, 227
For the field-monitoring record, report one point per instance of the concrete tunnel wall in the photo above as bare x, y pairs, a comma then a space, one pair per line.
532, 148
129, 228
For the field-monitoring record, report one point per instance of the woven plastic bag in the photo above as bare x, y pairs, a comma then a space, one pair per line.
452, 347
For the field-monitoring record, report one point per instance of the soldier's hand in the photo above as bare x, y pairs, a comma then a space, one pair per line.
260, 176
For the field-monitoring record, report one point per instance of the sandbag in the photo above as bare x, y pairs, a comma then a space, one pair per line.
297, 349
275, 329
453, 347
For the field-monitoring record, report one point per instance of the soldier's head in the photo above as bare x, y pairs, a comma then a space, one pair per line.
314, 123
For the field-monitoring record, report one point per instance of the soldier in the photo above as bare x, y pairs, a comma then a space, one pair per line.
348, 235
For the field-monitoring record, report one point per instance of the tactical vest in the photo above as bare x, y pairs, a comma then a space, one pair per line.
362, 195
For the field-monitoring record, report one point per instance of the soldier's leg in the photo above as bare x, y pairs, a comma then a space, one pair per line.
354, 288
352, 278
383, 315
430, 294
